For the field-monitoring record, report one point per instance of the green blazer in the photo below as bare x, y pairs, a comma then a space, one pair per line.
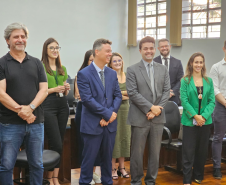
190, 101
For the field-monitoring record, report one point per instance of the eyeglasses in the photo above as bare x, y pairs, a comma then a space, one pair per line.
166, 46
56, 48
114, 61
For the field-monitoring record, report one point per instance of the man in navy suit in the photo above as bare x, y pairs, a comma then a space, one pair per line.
174, 66
101, 99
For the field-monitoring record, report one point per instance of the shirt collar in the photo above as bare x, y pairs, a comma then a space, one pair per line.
146, 63
223, 62
9, 57
97, 68
168, 57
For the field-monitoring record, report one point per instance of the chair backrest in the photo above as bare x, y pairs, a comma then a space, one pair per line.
70, 80
173, 118
70, 96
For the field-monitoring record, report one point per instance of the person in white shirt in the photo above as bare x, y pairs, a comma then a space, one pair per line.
218, 74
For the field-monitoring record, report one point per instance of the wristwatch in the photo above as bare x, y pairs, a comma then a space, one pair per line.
32, 106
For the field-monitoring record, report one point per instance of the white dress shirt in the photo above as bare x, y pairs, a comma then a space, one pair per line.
218, 75
163, 60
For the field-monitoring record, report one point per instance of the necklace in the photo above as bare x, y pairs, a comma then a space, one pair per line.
200, 93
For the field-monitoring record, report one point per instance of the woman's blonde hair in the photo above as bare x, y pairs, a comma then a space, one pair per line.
110, 63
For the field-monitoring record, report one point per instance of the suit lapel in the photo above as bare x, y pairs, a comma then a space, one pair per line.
108, 79
96, 76
144, 73
156, 75
205, 85
158, 59
193, 85
171, 65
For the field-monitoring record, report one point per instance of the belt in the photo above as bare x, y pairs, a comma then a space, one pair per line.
56, 94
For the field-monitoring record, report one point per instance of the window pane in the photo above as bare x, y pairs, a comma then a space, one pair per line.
186, 5
214, 16
150, 22
186, 32
140, 22
214, 3
214, 31
161, 33
151, 32
162, 8
162, 20
199, 32
140, 1
150, 1
151, 9
140, 10
199, 4
199, 18
140, 34
186, 18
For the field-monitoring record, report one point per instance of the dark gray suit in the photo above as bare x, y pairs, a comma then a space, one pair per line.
140, 95
176, 73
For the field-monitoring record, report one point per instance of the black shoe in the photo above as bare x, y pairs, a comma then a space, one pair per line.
217, 173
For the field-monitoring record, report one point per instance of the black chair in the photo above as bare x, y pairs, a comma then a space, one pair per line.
70, 96
50, 160
172, 126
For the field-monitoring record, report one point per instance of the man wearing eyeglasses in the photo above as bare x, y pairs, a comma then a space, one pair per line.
174, 67
23, 87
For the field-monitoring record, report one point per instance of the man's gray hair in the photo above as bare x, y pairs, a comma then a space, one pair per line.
98, 44
15, 26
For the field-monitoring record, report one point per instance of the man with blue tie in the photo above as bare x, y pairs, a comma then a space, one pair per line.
101, 99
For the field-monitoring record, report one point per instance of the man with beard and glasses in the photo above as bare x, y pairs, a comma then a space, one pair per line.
174, 67
23, 87
148, 88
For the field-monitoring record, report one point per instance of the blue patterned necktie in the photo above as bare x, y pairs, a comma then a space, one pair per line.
102, 78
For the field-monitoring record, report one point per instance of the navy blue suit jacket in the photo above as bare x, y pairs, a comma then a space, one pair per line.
176, 72
98, 102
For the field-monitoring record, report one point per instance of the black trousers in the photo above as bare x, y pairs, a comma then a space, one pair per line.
194, 151
56, 112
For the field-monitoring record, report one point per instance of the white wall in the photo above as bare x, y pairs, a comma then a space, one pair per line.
75, 24
211, 48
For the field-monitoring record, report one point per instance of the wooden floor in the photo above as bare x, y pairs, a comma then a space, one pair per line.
164, 177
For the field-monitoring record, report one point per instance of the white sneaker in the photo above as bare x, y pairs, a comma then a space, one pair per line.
92, 182
96, 178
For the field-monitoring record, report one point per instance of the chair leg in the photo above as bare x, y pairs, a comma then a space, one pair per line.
178, 168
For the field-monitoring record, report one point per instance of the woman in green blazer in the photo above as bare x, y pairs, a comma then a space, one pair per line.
198, 101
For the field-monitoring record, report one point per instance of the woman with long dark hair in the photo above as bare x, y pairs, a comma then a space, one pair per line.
55, 106
123, 134
97, 173
198, 101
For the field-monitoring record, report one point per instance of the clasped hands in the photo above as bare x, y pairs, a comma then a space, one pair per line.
154, 111
200, 120
62, 88
25, 112
105, 123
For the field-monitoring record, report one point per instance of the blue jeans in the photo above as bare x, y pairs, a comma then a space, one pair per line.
11, 138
